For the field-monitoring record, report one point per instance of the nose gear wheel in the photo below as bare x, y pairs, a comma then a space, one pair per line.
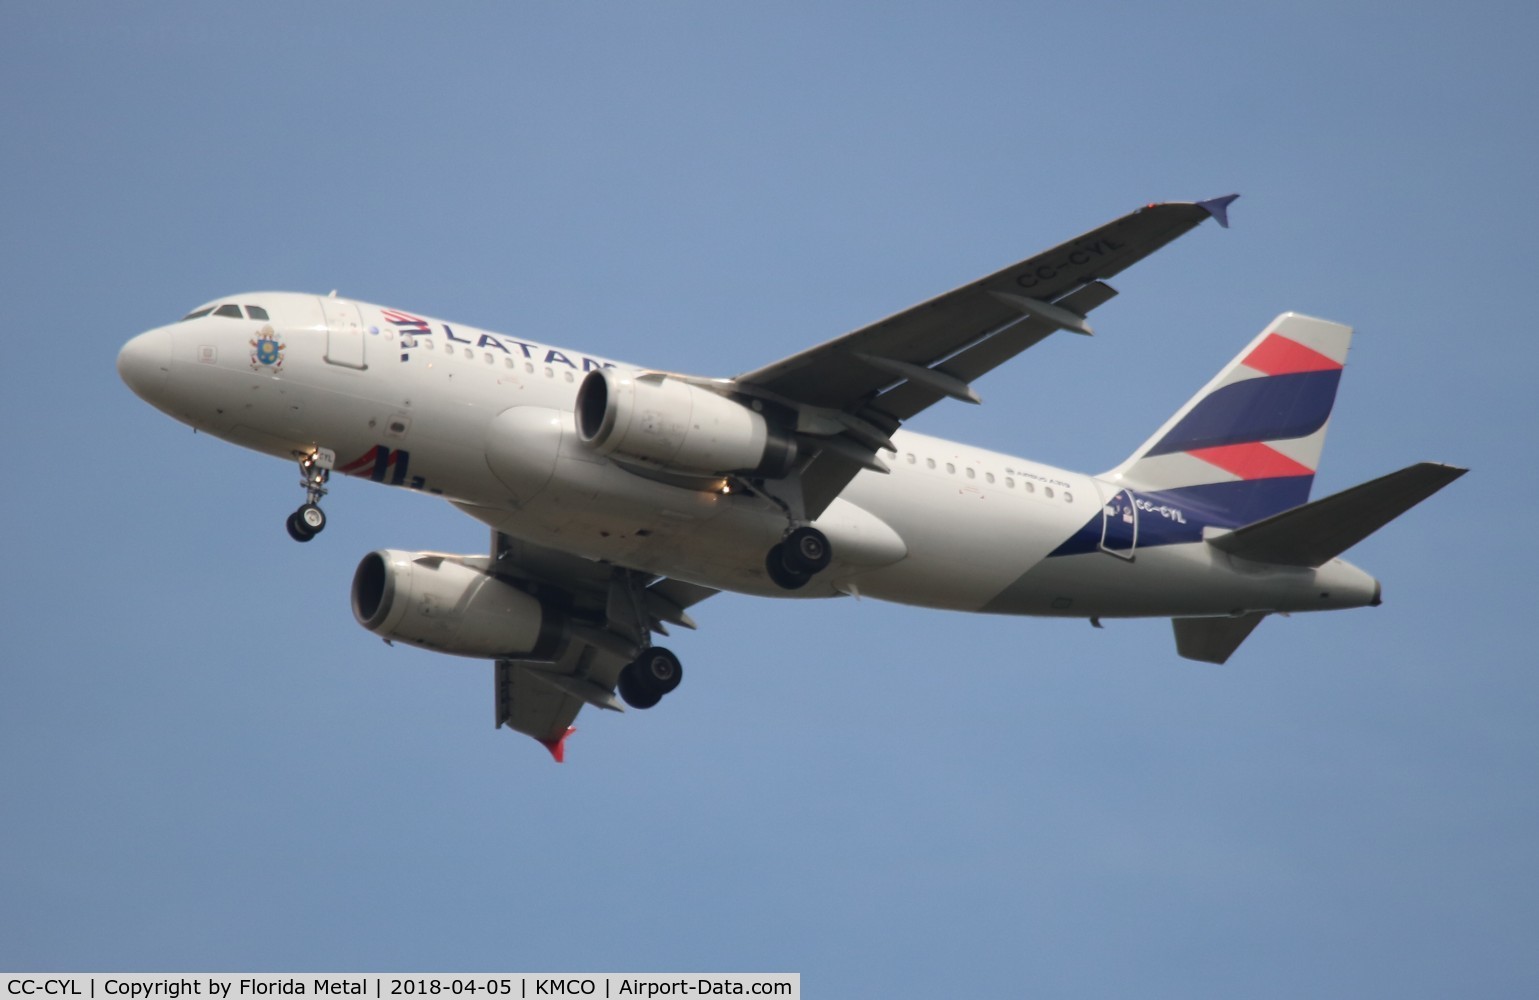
306, 522
314, 469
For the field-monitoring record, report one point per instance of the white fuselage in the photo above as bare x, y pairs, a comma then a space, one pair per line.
486, 421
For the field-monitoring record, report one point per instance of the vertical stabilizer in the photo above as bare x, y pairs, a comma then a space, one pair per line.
1247, 445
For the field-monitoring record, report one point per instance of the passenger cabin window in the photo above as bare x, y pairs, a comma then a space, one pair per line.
256, 312
231, 311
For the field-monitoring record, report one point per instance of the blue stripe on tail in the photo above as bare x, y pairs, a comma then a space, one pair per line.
1260, 409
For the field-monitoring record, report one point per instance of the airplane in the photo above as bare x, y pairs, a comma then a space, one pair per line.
619, 497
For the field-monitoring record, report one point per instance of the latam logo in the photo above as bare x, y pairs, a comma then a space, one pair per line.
1290, 398
413, 327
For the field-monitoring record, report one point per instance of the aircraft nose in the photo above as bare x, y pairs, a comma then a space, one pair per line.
144, 362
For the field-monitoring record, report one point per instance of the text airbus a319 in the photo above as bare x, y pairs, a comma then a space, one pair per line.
619, 497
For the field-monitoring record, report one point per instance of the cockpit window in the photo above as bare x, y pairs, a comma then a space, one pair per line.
228, 309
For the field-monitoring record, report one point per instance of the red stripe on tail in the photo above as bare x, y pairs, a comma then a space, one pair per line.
1277, 355
1252, 461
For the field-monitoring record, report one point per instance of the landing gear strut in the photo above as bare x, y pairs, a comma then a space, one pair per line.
802, 554
309, 520
651, 675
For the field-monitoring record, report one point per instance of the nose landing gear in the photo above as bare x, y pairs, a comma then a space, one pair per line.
315, 469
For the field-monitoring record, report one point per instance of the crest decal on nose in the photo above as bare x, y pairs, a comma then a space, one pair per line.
267, 351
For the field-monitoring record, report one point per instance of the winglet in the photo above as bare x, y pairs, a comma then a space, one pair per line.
1219, 208
557, 746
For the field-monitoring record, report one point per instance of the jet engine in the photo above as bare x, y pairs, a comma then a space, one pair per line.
440, 602
674, 425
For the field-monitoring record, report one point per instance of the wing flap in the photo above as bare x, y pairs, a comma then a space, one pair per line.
529, 705
589, 692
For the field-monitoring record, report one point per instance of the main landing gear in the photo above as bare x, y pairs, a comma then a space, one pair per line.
309, 520
803, 553
651, 675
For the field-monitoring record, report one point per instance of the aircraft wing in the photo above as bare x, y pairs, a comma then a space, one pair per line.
612, 613
874, 378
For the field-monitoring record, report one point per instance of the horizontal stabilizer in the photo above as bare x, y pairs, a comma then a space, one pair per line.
1317, 532
1213, 640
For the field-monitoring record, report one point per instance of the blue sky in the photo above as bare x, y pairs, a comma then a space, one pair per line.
205, 764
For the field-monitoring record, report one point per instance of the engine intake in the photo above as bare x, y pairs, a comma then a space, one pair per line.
677, 426
438, 602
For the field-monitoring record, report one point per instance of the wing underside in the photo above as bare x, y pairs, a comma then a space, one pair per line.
611, 614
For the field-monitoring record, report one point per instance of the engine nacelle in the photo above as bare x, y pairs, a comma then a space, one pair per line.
677, 426
438, 602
